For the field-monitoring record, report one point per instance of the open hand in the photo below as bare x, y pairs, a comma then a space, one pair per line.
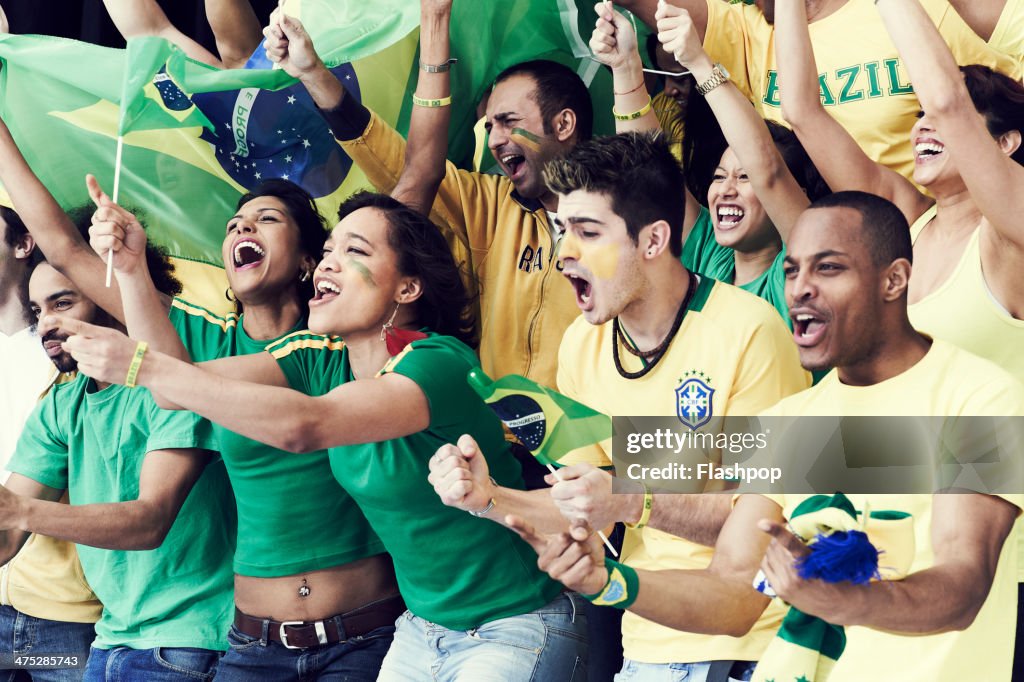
574, 558
101, 352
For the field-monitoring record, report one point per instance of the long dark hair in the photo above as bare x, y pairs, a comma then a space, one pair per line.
444, 306
705, 143
302, 209
999, 99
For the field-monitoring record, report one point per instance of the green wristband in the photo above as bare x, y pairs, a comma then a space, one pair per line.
621, 589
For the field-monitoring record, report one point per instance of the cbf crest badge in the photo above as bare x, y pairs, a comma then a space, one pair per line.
693, 401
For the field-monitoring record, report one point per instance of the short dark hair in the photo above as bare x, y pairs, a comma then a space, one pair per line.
557, 88
884, 227
636, 170
15, 231
161, 270
1000, 101
445, 306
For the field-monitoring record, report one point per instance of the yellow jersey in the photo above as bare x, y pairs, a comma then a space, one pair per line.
737, 346
946, 382
863, 83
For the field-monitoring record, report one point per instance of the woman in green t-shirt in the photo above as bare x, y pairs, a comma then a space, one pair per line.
382, 395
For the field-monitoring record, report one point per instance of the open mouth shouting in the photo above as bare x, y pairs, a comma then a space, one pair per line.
584, 291
729, 216
808, 326
927, 150
515, 165
324, 290
247, 254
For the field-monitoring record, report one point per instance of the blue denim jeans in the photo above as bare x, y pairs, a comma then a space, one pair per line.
709, 671
546, 645
163, 664
357, 659
23, 635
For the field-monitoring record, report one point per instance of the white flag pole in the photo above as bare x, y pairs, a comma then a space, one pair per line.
117, 186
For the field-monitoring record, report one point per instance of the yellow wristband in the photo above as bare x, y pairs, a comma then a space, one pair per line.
633, 116
133, 369
431, 103
645, 515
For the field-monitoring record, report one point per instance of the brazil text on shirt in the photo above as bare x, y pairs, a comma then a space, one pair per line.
849, 84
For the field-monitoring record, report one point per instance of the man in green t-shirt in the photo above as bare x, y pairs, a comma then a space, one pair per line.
137, 477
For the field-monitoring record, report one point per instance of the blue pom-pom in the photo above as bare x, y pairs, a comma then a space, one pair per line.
840, 557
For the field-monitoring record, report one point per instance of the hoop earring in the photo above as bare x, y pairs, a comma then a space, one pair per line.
387, 328
230, 295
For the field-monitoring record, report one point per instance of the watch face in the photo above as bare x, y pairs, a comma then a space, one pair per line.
725, 71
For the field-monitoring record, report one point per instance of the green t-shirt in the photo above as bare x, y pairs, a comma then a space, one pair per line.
453, 569
704, 255
93, 443
292, 515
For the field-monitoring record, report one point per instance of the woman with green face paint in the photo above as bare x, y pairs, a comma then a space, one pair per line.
383, 390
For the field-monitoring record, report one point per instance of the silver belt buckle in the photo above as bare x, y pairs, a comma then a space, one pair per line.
284, 635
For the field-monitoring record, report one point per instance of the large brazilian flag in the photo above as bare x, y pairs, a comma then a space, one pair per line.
195, 137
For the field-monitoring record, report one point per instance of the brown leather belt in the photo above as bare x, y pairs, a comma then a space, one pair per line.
298, 634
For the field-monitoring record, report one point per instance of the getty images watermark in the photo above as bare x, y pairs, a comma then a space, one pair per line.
820, 455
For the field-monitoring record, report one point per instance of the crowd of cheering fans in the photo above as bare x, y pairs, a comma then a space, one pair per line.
821, 217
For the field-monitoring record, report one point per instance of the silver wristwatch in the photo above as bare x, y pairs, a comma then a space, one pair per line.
719, 75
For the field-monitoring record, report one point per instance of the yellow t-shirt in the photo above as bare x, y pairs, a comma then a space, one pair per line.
946, 382
45, 578
740, 347
1008, 35
864, 84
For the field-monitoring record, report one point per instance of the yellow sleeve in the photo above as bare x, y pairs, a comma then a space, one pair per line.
769, 371
967, 47
466, 203
568, 359
727, 39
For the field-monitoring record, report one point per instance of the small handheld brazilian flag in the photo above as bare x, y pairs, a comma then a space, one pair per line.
548, 423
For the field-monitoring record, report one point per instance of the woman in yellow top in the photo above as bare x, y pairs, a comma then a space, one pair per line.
969, 239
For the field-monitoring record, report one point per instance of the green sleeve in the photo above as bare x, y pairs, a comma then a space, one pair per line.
439, 367
704, 255
201, 331
42, 451
312, 364
174, 429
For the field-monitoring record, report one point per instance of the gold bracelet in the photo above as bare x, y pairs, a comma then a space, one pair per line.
133, 369
645, 515
431, 103
439, 68
635, 115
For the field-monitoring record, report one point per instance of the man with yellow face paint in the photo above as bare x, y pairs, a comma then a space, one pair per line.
649, 328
